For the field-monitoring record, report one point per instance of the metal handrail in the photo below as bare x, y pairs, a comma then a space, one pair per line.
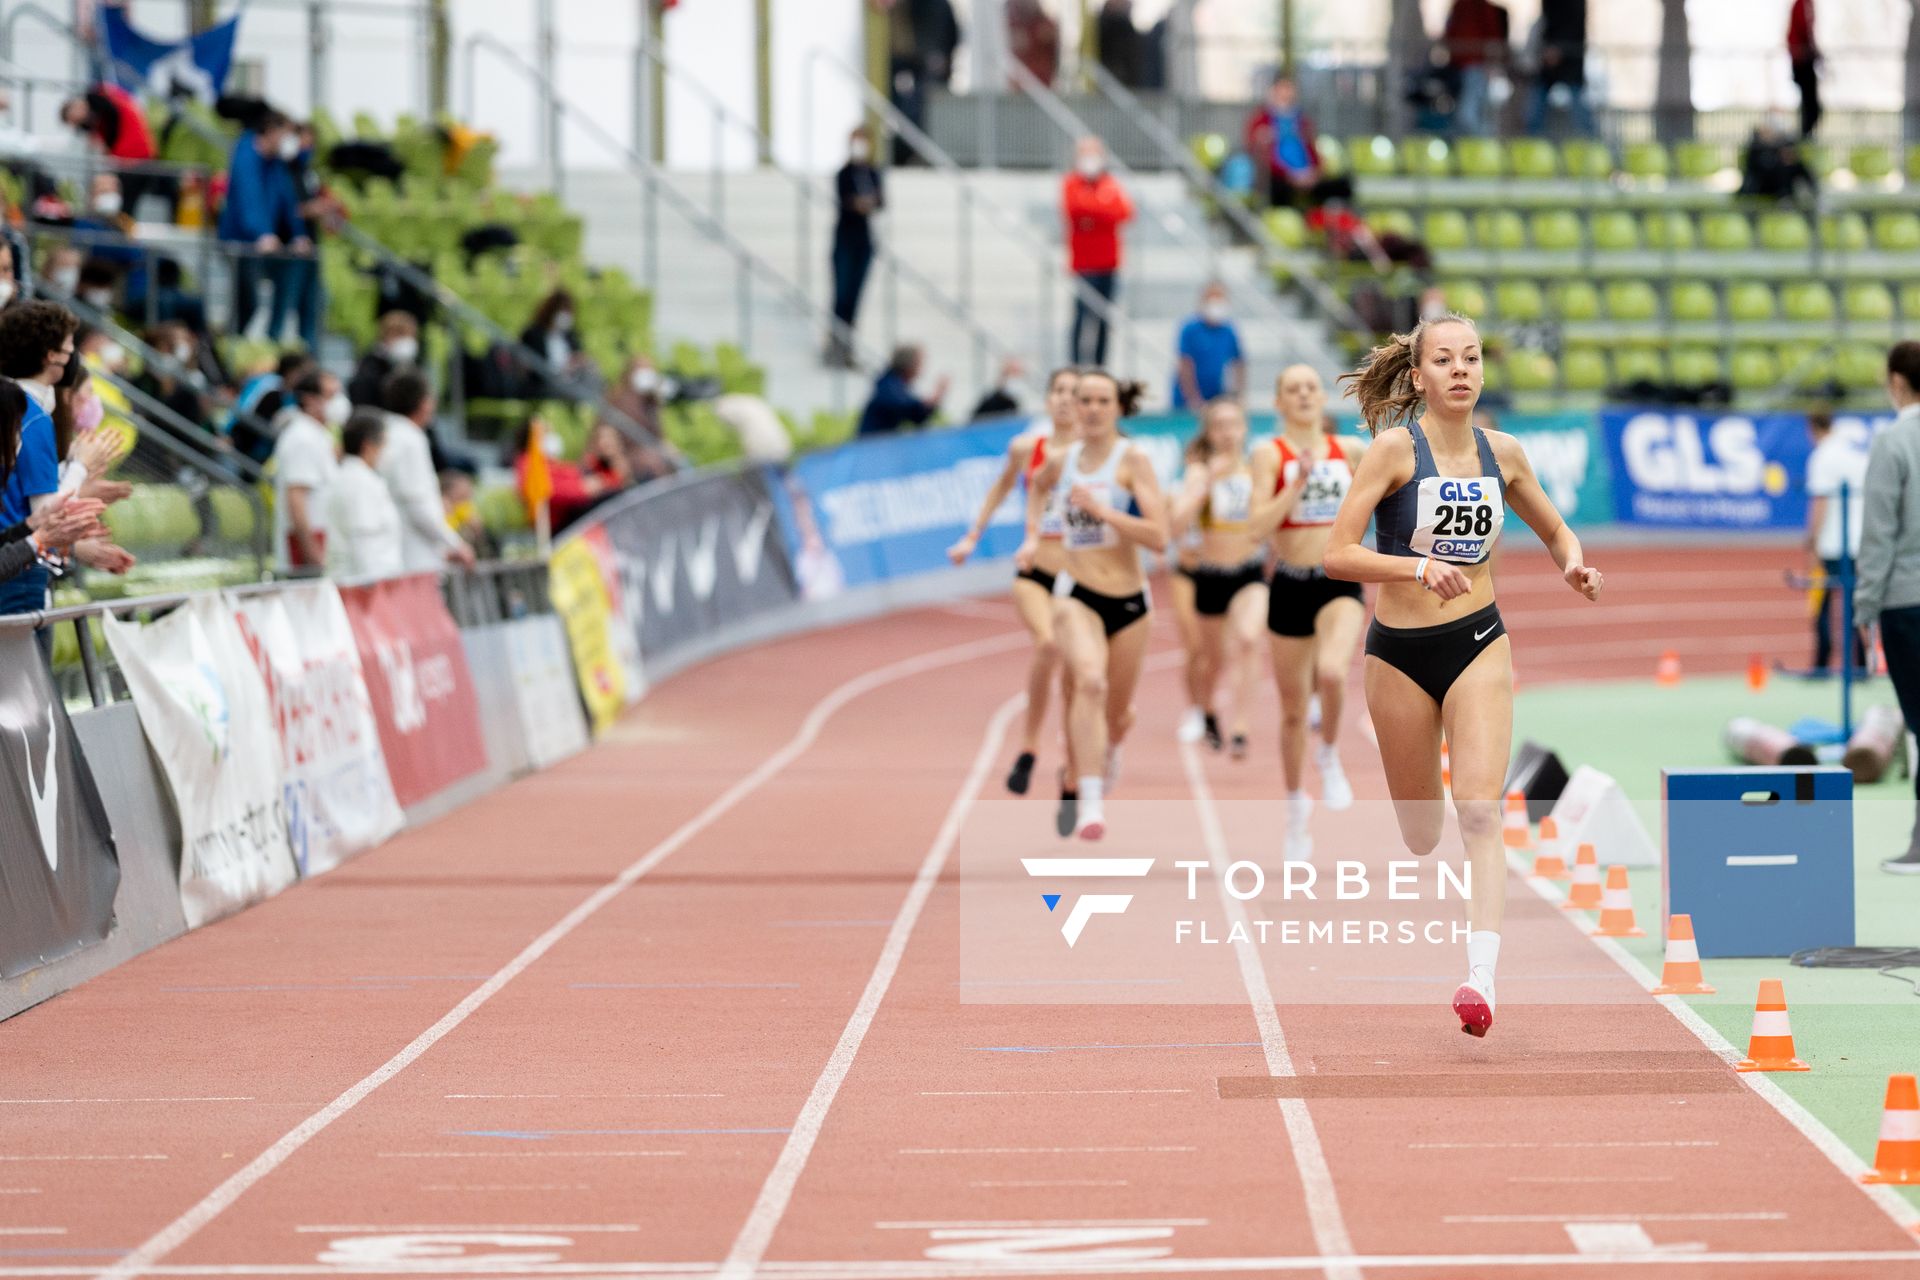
930, 151
812, 192
746, 262
1198, 178
54, 23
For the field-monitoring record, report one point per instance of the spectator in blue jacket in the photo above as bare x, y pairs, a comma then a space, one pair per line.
262, 214
893, 404
1211, 363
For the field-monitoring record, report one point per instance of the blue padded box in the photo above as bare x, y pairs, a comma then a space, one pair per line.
1762, 859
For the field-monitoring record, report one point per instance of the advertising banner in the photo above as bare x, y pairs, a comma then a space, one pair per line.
579, 594
417, 677
1570, 459
206, 715
339, 799
1691, 469
698, 555
58, 869
545, 695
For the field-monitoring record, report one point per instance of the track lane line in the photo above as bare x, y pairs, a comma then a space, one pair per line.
1329, 1225
211, 1206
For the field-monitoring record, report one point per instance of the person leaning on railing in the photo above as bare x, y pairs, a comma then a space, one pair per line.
40, 540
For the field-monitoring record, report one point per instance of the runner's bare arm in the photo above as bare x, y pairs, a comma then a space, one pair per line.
1387, 466
1531, 503
1185, 507
1019, 453
1039, 485
1264, 514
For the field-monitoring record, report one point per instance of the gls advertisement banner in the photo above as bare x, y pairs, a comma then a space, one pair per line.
1685, 469
58, 872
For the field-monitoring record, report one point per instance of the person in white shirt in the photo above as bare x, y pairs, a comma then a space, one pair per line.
360, 511
1837, 459
304, 466
406, 464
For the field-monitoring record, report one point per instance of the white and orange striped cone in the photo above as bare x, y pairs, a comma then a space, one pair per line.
1616, 908
1681, 975
1771, 1046
1667, 670
1514, 828
1584, 893
1548, 863
1897, 1158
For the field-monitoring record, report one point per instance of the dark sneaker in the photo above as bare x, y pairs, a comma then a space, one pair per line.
1213, 738
1021, 774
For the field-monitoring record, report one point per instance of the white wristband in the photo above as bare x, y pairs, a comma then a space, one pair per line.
1420, 573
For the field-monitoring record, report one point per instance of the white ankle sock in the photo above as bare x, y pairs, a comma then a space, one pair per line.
1483, 953
1090, 789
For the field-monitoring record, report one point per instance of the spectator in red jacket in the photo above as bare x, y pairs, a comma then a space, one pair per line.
1476, 37
116, 126
1094, 206
1285, 150
1804, 52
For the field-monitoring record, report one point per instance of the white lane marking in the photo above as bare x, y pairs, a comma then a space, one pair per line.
1033, 1151
1596, 1179
211, 1206
518, 1155
506, 1186
19, 1191
24, 1159
1041, 1222
406, 1229
1492, 1218
1609, 1237
1000, 1093
1560, 1146
500, 1096
1303, 1139
1763, 859
85, 1102
1891, 1202
33, 1231
756, 1233
1051, 1182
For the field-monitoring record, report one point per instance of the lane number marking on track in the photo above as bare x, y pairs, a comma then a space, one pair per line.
473, 1248
1019, 1241
1621, 1237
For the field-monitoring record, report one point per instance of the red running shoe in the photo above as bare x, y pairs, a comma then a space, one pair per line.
1474, 1008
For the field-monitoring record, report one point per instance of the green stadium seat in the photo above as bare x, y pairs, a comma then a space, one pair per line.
1584, 369
1577, 301
1869, 302
1398, 221
1698, 161
1806, 364
1480, 158
1632, 301
1500, 230
1466, 297
1426, 157
1807, 301
1749, 302
1614, 231
1910, 302
1447, 230
1532, 371
1695, 366
1693, 302
1845, 233
1373, 157
1287, 228
1870, 164
1783, 231
1211, 150
1585, 158
1645, 160
1557, 230
1494, 371
1897, 232
1754, 369
1820, 158
1333, 157
1638, 364
1858, 366
1726, 232
1913, 162
1533, 159
1519, 302
1669, 230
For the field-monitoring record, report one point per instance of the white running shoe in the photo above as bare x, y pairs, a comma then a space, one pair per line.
1193, 725
1313, 712
1335, 791
1090, 823
1299, 841
1112, 778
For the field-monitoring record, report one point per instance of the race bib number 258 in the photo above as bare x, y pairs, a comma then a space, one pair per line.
1456, 519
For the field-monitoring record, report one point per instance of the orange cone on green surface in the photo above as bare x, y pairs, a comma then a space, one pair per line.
1616, 908
1897, 1158
1547, 862
1681, 975
1770, 1048
1584, 893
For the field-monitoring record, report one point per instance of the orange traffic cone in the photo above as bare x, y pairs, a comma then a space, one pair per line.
1584, 893
1548, 862
1514, 828
1668, 672
1756, 673
1681, 975
1897, 1158
1616, 908
1771, 1046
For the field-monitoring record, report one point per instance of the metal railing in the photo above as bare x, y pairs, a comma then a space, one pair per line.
656, 190
810, 193
1049, 264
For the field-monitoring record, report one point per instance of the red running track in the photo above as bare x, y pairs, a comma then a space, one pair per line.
689, 1005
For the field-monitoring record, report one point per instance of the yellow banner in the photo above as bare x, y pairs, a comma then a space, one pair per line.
580, 597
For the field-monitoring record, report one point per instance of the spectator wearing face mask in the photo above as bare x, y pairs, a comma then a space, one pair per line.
364, 525
861, 195
406, 464
36, 342
397, 348
463, 514
261, 217
553, 335
641, 396
178, 385
106, 359
304, 469
60, 271
1094, 207
1210, 362
111, 244
576, 490
115, 125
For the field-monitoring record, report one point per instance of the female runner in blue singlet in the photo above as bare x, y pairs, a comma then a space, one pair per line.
1438, 659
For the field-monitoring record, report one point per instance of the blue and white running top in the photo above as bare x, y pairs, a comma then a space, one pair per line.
1451, 518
